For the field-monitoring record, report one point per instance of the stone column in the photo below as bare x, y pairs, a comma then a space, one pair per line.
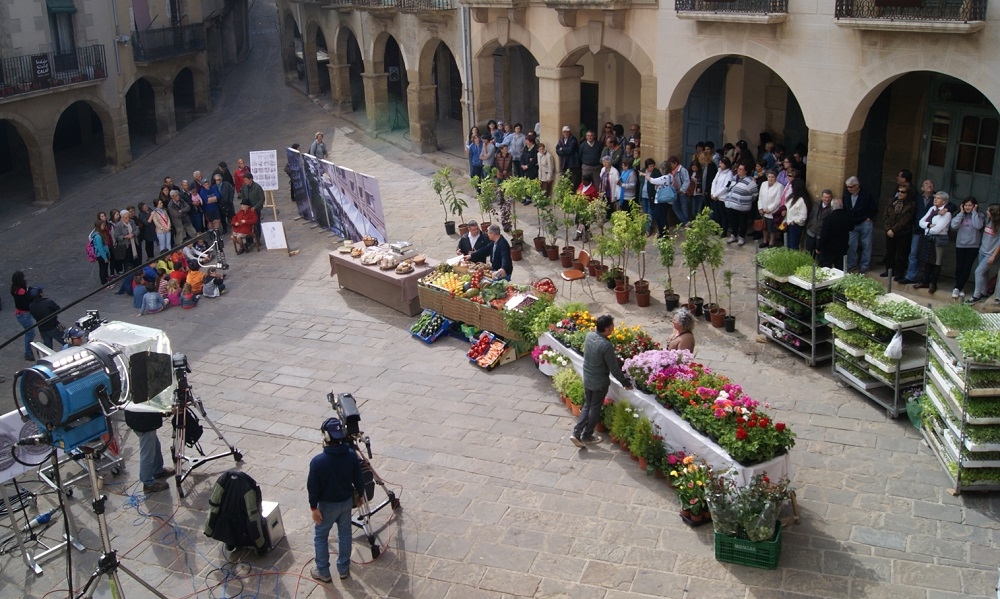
117, 146
421, 103
671, 140
44, 178
340, 87
833, 157
202, 93
653, 123
166, 119
483, 91
558, 99
376, 98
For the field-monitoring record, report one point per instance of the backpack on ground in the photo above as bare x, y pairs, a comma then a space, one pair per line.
235, 512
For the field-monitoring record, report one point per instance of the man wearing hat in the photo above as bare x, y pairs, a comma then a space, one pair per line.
42, 308
74, 337
243, 225
334, 478
568, 150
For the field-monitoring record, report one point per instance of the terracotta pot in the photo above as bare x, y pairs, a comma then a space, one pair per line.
449, 227
642, 298
593, 269
634, 457
484, 226
671, 300
718, 317
643, 463
600, 428
576, 409
641, 284
623, 444
686, 514
539, 244
516, 252
569, 249
621, 281
658, 473
730, 323
621, 294
697, 518
552, 251
567, 260
695, 306
463, 229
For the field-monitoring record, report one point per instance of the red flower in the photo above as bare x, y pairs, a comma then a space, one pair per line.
740, 420
741, 433
763, 423
780, 427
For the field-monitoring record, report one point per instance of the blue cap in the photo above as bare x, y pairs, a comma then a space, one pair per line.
36, 290
334, 428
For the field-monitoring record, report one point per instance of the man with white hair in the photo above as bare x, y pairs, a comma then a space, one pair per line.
498, 252
862, 208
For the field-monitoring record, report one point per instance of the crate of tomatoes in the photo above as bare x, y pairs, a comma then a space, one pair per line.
486, 351
544, 288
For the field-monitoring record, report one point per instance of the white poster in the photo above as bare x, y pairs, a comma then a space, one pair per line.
264, 166
274, 236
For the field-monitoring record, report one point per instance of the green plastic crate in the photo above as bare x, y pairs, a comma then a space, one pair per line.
740, 550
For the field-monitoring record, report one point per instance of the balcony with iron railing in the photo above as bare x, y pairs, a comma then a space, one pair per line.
169, 42
20, 75
942, 16
426, 10
733, 11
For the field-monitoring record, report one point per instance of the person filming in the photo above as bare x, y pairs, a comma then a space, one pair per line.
334, 478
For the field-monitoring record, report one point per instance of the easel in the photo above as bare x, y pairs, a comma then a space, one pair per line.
270, 203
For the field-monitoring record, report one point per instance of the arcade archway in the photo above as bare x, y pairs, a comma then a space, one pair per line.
79, 142
15, 166
140, 110
185, 109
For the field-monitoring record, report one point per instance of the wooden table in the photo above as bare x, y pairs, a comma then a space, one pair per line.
384, 286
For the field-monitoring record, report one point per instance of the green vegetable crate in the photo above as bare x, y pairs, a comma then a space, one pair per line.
740, 550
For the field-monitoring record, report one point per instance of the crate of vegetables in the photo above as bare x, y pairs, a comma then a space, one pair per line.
430, 326
486, 351
544, 288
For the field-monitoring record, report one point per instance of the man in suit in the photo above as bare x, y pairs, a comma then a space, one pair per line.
473, 240
835, 234
862, 207
568, 150
498, 251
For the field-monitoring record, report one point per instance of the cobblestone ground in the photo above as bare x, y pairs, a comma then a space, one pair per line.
495, 501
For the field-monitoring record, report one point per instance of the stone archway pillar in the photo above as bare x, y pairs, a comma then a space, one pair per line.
483, 91
653, 123
376, 97
340, 87
117, 145
833, 157
558, 99
421, 103
42, 161
670, 142
202, 93
166, 119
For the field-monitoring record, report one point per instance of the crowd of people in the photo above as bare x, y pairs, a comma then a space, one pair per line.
763, 196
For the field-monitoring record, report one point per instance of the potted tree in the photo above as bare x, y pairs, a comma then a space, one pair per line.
730, 320
642, 285
629, 229
594, 216
550, 223
695, 250
445, 189
714, 257
668, 253
573, 205
607, 247
487, 192
515, 188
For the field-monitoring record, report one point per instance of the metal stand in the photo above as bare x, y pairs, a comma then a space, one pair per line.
111, 460
363, 513
31, 560
108, 565
183, 399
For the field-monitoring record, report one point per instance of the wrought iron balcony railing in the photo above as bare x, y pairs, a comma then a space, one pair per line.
415, 5
168, 42
46, 70
753, 7
912, 10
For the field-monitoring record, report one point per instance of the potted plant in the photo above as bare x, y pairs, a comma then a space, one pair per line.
714, 258
695, 250
642, 438
607, 247
572, 205
689, 478
668, 253
450, 201
517, 188
729, 321
487, 193
642, 285
550, 223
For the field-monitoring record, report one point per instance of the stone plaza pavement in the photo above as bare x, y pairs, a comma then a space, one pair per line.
495, 501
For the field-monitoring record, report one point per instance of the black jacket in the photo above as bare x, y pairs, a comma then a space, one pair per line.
650, 188
833, 236
41, 308
568, 151
590, 155
862, 209
499, 259
529, 158
334, 475
465, 245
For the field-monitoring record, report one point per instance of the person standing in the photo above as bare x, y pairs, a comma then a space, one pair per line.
126, 234
568, 150
223, 169
529, 159
897, 220
43, 310
590, 156
739, 203
22, 308
816, 218
862, 207
227, 194
723, 180
515, 143
682, 183
488, 155
160, 221
969, 226
474, 149
239, 176
471, 241
923, 203
546, 169
989, 251
318, 147
498, 252
102, 250
599, 364
145, 424
834, 236
147, 229
769, 206
797, 213
936, 224
180, 220
253, 192
334, 479
647, 193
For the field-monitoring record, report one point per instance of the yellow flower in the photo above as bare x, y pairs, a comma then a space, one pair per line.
673, 473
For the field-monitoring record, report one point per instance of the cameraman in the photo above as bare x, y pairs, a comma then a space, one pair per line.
145, 425
334, 479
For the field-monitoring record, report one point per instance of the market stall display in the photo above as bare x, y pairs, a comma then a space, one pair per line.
380, 274
430, 326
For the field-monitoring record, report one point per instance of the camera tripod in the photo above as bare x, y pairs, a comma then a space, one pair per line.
361, 517
184, 399
108, 564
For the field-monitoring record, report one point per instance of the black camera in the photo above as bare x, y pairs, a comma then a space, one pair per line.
347, 410
91, 322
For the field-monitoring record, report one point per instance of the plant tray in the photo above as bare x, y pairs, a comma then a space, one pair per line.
857, 352
890, 324
905, 378
847, 326
742, 551
856, 382
950, 333
773, 320
773, 276
913, 357
807, 284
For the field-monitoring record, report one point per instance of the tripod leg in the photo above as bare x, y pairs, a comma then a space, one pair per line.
237, 455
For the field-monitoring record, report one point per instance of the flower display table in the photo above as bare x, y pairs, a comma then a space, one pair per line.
678, 433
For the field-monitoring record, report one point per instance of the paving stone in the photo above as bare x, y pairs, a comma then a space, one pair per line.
509, 583
502, 556
879, 538
927, 576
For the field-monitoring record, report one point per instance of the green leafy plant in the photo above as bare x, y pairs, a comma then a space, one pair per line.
445, 188
980, 346
899, 311
564, 378
642, 436
959, 317
668, 254
517, 189
521, 321
487, 192
727, 279
622, 420
573, 206
841, 313
852, 337
805, 273
697, 246
783, 262
860, 289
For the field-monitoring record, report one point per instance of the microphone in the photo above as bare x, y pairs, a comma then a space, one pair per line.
36, 440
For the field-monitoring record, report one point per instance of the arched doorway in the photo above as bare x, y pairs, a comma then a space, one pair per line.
15, 167
352, 55
737, 97
447, 78
184, 104
140, 109
604, 98
289, 33
511, 69
322, 63
397, 83
78, 142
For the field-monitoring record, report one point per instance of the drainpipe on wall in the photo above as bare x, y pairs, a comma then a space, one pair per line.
119, 39
466, 27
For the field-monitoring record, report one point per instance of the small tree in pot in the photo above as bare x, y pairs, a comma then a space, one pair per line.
696, 249
488, 192
450, 201
730, 320
668, 254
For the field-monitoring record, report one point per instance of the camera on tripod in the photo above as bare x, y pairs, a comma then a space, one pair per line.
347, 410
91, 322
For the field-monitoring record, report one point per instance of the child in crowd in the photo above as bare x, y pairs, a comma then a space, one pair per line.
214, 285
138, 292
152, 302
179, 273
162, 281
188, 298
174, 293
195, 278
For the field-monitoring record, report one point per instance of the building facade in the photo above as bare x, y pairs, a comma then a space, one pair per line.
90, 85
869, 87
